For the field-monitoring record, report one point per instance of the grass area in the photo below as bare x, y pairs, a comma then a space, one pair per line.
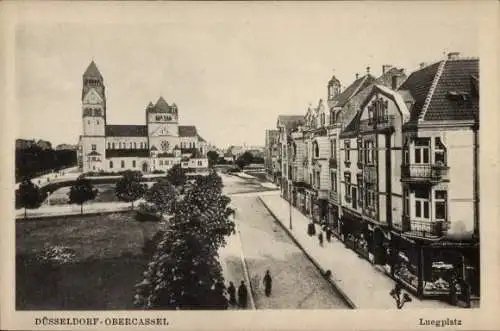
110, 259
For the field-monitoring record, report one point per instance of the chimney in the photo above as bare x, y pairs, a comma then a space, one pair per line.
386, 68
453, 55
423, 65
357, 75
367, 70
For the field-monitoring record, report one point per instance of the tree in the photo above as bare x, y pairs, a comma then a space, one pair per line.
28, 195
213, 157
162, 196
129, 188
244, 159
82, 191
185, 272
176, 176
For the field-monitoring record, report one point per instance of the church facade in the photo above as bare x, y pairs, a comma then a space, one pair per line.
157, 145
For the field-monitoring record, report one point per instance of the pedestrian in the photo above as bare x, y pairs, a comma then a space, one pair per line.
242, 295
268, 283
231, 290
320, 237
328, 234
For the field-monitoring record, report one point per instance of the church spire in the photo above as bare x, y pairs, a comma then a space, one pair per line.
92, 71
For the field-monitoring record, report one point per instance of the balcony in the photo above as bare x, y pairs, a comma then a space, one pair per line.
424, 173
423, 229
332, 163
323, 194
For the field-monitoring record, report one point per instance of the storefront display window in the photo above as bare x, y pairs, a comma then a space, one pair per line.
406, 270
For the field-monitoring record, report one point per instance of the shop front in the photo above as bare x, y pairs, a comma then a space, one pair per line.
356, 233
437, 269
379, 245
333, 218
321, 213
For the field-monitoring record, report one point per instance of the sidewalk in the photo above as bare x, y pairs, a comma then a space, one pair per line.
73, 209
357, 279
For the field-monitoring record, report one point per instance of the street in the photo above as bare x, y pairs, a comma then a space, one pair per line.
297, 283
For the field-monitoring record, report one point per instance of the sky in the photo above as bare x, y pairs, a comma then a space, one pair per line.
231, 68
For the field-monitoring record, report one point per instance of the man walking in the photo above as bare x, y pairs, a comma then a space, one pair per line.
242, 295
320, 238
268, 282
231, 290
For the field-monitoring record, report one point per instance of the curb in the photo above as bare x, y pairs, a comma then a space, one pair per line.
245, 269
344, 296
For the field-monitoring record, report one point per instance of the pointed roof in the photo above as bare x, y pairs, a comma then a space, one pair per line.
333, 80
92, 71
359, 84
162, 106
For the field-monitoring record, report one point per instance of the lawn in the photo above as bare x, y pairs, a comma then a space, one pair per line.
109, 261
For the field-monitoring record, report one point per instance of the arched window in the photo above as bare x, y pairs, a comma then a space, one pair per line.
111, 164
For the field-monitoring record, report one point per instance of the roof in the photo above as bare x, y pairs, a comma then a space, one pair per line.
445, 91
94, 153
290, 122
127, 153
126, 130
200, 138
356, 86
92, 71
187, 131
333, 80
162, 105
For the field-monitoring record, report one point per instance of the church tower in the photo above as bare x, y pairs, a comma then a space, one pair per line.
163, 127
94, 119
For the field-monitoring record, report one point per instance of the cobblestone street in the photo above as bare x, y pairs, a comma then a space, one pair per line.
297, 283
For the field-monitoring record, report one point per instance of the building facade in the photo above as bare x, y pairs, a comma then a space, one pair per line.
271, 155
157, 145
390, 164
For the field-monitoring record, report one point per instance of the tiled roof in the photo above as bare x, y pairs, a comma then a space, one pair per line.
162, 106
352, 127
200, 138
187, 131
127, 153
454, 96
353, 89
92, 71
126, 130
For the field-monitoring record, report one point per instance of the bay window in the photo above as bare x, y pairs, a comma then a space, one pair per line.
440, 198
421, 204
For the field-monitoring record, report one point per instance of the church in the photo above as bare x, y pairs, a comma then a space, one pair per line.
155, 146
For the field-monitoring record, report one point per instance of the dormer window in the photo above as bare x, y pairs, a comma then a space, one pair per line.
459, 96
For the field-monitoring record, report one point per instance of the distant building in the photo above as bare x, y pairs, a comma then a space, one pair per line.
24, 143
157, 145
271, 154
44, 144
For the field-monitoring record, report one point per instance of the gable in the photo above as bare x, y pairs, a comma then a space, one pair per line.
92, 97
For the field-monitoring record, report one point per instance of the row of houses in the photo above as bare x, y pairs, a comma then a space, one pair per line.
391, 165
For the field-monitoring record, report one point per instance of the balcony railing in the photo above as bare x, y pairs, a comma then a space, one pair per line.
424, 173
332, 163
423, 228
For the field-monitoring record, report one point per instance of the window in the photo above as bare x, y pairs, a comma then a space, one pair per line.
88, 122
113, 145
439, 152
422, 151
94, 147
109, 145
142, 145
322, 118
200, 163
316, 149
347, 180
406, 196
111, 164
130, 144
133, 163
332, 118
158, 117
333, 178
369, 151
370, 114
440, 198
347, 147
318, 180
421, 204
97, 122
120, 145
333, 149
161, 162
135, 145
123, 164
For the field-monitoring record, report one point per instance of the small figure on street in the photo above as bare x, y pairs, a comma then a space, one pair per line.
328, 234
320, 237
268, 282
242, 295
231, 290
311, 229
